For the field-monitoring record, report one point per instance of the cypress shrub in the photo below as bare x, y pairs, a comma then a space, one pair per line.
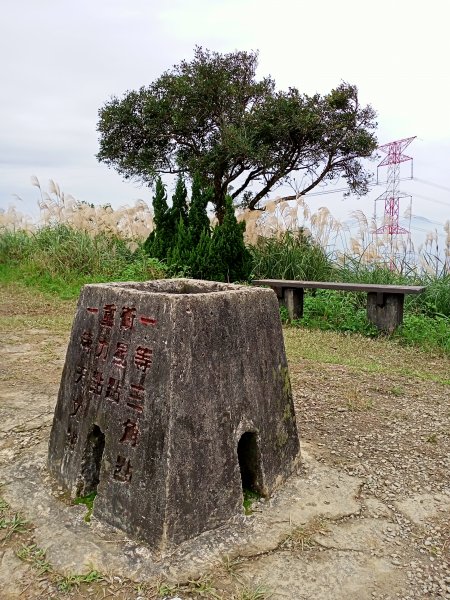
159, 241
189, 246
229, 259
162, 239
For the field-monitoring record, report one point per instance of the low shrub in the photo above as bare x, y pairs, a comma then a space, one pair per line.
290, 255
60, 259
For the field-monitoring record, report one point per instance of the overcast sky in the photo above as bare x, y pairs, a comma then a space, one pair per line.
61, 61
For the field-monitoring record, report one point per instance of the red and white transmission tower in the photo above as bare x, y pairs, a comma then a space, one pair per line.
391, 227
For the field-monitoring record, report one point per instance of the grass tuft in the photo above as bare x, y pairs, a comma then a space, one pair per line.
250, 496
88, 501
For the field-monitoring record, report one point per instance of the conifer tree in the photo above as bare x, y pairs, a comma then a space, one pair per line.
200, 257
159, 241
179, 204
184, 240
198, 217
229, 259
179, 256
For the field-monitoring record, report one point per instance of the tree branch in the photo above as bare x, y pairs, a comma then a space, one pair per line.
251, 176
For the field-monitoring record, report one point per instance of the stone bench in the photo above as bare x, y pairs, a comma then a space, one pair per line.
384, 302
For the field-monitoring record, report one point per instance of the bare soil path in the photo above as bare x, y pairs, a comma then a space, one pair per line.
368, 516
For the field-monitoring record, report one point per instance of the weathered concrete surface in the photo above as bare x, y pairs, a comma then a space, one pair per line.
423, 508
385, 310
350, 575
175, 395
377, 447
71, 544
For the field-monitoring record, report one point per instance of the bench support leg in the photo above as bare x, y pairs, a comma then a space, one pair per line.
293, 300
385, 311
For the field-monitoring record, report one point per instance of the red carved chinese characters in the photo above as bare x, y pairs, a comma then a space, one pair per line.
127, 317
136, 397
130, 433
92, 310
143, 358
113, 389
120, 355
147, 320
108, 315
80, 374
102, 348
96, 386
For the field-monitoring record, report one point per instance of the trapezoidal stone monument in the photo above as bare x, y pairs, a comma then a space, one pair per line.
175, 396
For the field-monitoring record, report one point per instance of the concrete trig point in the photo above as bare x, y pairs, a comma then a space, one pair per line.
175, 396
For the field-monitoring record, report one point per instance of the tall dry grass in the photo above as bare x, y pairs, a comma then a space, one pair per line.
359, 248
132, 223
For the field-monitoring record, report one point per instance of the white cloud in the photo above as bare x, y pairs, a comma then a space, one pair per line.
62, 60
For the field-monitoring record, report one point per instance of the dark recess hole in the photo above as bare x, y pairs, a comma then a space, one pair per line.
91, 463
249, 463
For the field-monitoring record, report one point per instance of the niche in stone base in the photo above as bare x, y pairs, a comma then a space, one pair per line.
175, 398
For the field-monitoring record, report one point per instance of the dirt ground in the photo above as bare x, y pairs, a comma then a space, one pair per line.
367, 517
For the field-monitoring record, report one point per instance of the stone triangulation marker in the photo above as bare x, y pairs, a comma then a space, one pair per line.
175, 396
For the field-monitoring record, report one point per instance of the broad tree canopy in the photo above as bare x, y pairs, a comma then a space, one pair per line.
211, 117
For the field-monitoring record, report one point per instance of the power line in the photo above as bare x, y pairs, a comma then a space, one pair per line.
436, 185
347, 189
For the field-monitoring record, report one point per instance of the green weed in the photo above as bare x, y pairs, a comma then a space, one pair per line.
88, 501
231, 565
202, 587
292, 255
60, 259
397, 391
36, 557
250, 496
13, 523
252, 593
71, 581
166, 589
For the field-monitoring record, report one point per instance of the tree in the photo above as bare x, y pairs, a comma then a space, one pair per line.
198, 216
179, 208
212, 117
158, 242
193, 248
228, 257
166, 219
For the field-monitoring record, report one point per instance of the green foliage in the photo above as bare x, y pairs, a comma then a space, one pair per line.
195, 250
179, 208
292, 255
12, 522
72, 581
436, 298
229, 259
430, 333
158, 242
198, 217
60, 259
88, 501
337, 311
211, 116
250, 496
35, 555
